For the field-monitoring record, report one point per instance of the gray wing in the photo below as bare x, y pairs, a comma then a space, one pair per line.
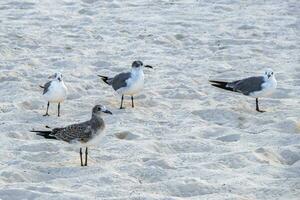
247, 85
81, 132
46, 87
119, 80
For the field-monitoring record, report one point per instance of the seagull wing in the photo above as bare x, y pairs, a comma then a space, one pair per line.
46, 87
119, 80
247, 85
80, 132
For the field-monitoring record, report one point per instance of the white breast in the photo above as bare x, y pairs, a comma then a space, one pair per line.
57, 92
268, 88
134, 84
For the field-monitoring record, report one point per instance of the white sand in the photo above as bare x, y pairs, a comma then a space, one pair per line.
184, 139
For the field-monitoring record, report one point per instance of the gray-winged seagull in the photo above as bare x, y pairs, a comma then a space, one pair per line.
81, 132
55, 91
256, 86
128, 83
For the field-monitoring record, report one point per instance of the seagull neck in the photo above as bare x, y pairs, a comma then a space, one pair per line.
96, 117
96, 121
271, 79
58, 81
137, 71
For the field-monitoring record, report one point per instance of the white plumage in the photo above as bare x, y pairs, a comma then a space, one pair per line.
55, 91
129, 83
268, 87
134, 84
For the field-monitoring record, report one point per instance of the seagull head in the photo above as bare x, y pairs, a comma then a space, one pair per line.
139, 65
57, 76
269, 73
99, 109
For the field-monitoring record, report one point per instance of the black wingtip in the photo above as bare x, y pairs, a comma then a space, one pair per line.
221, 84
42, 86
35, 131
104, 79
45, 134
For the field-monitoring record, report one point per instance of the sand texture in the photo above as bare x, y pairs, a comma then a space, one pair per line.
185, 139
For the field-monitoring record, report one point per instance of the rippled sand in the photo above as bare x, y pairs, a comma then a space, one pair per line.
184, 139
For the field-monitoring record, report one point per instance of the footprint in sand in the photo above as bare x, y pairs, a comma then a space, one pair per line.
230, 138
126, 135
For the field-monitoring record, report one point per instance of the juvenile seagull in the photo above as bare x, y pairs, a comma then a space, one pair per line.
55, 91
128, 83
255, 86
81, 132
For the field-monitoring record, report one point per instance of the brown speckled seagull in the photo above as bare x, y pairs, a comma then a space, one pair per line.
81, 132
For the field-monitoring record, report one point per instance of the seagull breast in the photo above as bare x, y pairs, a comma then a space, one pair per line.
57, 92
135, 83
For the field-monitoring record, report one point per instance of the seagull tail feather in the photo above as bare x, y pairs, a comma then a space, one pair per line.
45, 134
221, 84
105, 79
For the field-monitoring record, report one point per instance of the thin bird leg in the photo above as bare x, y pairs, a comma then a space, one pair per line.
122, 98
58, 107
257, 107
48, 104
80, 153
132, 104
86, 156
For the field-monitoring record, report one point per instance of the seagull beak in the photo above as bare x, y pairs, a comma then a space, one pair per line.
148, 66
269, 75
59, 79
108, 112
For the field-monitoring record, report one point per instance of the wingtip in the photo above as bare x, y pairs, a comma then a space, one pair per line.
213, 81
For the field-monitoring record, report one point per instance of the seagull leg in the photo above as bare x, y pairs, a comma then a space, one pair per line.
58, 108
80, 153
86, 156
47, 109
122, 98
257, 107
132, 104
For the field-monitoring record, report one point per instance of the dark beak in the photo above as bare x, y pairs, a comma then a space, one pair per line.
59, 79
269, 75
148, 66
108, 112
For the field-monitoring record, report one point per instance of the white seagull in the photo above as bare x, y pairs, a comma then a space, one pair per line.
55, 91
129, 83
255, 86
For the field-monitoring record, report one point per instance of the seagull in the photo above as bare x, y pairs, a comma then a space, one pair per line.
128, 83
55, 91
255, 86
81, 132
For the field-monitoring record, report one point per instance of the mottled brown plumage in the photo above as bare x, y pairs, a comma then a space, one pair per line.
82, 132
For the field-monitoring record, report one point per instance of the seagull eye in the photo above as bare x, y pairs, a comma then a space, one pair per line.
99, 108
272, 73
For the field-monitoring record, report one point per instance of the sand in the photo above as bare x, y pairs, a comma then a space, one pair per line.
184, 139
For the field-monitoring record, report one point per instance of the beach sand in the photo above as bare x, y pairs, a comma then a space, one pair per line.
184, 139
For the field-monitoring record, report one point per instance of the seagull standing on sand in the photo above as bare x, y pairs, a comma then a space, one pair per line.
255, 86
55, 91
128, 83
81, 132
